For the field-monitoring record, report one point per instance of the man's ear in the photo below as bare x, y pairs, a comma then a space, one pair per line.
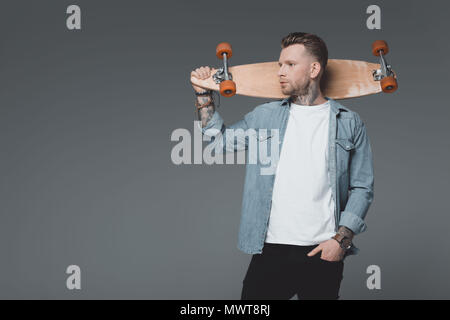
315, 69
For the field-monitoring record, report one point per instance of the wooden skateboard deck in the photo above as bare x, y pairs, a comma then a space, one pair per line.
342, 79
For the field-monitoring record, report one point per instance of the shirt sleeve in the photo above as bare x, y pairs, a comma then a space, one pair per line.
361, 185
236, 138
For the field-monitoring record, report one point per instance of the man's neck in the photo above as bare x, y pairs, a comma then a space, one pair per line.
311, 98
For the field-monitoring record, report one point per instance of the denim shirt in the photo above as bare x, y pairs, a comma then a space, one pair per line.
350, 167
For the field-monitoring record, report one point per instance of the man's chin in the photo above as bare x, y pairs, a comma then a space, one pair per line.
286, 91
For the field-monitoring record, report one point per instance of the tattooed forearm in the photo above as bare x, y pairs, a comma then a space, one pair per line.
346, 232
205, 114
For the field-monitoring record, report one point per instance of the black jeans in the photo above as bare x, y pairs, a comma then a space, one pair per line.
283, 270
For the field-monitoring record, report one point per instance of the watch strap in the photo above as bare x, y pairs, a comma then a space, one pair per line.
340, 238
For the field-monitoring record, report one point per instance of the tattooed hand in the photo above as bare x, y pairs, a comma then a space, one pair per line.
204, 114
201, 73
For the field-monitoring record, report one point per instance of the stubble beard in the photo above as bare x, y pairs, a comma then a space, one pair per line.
306, 94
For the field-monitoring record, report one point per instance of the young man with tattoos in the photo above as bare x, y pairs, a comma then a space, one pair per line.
300, 221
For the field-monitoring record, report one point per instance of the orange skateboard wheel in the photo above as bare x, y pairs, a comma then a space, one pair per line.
389, 84
228, 88
378, 45
223, 47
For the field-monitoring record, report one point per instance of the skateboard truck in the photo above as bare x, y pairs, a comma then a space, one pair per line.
222, 76
387, 78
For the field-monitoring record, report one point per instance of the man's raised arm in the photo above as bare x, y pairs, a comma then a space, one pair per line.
212, 124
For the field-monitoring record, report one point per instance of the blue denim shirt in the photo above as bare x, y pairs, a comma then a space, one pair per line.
350, 167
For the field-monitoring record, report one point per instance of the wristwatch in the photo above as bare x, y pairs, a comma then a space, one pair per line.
203, 93
344, 242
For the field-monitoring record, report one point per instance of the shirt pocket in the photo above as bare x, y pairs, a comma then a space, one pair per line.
264, 151
263, 135
343, 154
346, 144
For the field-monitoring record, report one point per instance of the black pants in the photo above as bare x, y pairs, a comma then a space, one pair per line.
283, 270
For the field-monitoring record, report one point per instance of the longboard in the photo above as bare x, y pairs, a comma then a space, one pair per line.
342, 79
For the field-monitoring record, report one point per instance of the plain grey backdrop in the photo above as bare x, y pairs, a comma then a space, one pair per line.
86, 116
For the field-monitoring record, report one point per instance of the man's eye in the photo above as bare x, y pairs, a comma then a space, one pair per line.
291, 64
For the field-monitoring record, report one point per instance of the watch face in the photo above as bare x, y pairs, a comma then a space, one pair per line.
347, 244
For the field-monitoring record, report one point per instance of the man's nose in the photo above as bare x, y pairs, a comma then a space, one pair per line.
281, 72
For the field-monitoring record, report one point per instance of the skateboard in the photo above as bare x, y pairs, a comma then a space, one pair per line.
342, 79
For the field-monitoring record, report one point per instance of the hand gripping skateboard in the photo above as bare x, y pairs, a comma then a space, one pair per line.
342, 78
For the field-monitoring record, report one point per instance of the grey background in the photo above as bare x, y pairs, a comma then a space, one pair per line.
85, 122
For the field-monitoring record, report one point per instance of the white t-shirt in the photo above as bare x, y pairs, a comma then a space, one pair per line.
302, 202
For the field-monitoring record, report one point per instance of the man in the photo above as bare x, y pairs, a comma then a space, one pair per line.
299, 222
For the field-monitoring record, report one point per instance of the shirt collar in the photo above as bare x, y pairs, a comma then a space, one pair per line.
335, 106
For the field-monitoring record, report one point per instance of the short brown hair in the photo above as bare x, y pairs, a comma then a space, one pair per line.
314, 45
